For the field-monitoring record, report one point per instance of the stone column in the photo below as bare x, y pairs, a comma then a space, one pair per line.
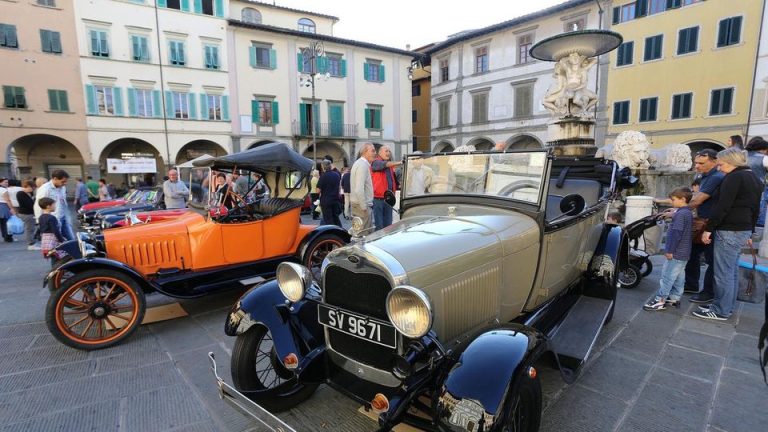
5, 169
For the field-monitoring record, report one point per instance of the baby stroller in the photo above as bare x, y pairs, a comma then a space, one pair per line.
639, 262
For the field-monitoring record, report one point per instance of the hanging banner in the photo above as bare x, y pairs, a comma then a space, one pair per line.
131, 166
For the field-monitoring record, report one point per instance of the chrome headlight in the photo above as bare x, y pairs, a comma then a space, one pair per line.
294, 280
410, 311
84, 242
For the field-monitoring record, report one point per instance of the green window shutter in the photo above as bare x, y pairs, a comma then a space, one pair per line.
185, 5
192, 103
8, 97
367, 116
215, 55
225, 108
204, 107
273, 59
381, 73
157, 104
56, 42
343, 68
207, 57
300, 62
275, 113
252, 56
162, 3
53, 102
255, 111
144, 49
136, 47
3, 40
12, 39
377, 118
170, 112
131, 101
722, 33
303, 123
117, 93
95, 43
366, 75
174, 54
90, 99
616, 15
322, 64
198, 6
63, 101
219, 8
180, 48
45, 40
103, 44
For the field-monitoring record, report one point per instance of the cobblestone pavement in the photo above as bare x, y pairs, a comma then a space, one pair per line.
649, 371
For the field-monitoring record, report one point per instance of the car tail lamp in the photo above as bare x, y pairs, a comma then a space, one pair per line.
380, 403
293, 280
291, 361
409, 310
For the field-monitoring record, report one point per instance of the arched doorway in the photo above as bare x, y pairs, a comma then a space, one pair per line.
38, 155
524, 142
330, 148
197, 148
443, 147
258, 143
699, 145
482, 144
131, 148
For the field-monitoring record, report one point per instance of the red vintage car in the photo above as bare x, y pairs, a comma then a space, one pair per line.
115, 202
147, 217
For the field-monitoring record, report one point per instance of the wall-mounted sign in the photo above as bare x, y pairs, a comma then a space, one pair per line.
131, 166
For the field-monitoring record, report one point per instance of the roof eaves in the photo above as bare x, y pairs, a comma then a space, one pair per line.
273, 6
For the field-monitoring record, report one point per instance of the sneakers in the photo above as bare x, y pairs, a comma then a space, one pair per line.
655, 305
690, 290
672, 303
702, 298
704, 308
33, 247
709, 315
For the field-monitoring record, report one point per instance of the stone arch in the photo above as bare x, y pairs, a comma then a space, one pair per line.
331, 148
258, 143
700, 144
443, 146
36, 155
524, 142
482, 143
198, 148
126, 148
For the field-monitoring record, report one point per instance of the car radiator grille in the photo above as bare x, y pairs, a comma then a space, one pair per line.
156, 253
364, 294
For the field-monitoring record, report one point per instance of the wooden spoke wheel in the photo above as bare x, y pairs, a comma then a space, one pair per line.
318, 249
95, 309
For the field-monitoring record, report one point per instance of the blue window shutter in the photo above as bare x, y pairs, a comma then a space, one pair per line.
180, 47
273, 59
56, 42
162, 3
104, 44
367, 118
131, 102
225, 107
198, 6
303, 123
254, 111
117, 94
377, 118
45, 40
616, 15
322, 64
204, 107
144, 49
90, 99
275, 113
158, 103
173, 56
136, 47
192, 101
94, 43
300, 62
252, 56
735, 32
185, 5
170, 111
343, 67
219, 9
215, 55
381, 73
366, 74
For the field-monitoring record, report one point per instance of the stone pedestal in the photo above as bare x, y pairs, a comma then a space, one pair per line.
659, 184
572, 136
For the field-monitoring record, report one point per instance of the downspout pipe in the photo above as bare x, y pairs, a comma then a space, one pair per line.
754, 75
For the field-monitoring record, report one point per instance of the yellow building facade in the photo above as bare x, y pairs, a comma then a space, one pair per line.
684, 73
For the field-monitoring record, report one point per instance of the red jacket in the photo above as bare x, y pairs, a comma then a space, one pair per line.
383, 178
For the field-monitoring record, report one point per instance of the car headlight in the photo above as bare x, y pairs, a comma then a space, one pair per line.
410, 311
294, 280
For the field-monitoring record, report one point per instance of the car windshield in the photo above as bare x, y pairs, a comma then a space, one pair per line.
144, 196
212, 188
517, 176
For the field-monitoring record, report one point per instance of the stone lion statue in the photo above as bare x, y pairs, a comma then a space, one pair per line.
631, 149
673, 157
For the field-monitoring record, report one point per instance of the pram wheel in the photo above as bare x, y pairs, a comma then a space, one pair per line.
630, 277
646, 268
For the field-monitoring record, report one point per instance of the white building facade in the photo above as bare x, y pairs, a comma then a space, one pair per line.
487, 89
758, 119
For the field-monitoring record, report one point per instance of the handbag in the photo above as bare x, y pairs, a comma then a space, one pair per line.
753, 289
389, 198
15, 225
699, 226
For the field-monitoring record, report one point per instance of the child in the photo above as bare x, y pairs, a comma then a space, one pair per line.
614, 218
677, 252
49, 229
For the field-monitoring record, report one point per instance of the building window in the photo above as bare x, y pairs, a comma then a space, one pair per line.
13, 97
648, 109
657, 6
687, 40
213, 104
373, 117
144, 103
523, 100
479, 107
8, 38
139, 48
50, 41
653, 47
180, 103
624, 13
681, 106
263, 112
729, 32
481, 60
306, 25
105, 100
574, 25
524, 44
414, 116
58, 101
444, 70
251, 16
207, 7
721, 102
624, 54
262, 56
176, 53
51, 3
173, 4
373, 71
689, 2
99, 43
621, 112
335, 65
211, 53
415, 90
443, 113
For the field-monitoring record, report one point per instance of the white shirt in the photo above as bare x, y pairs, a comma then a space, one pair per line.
362, 185
57, 194
12, 191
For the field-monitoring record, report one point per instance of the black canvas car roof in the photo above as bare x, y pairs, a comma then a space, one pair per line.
274, 156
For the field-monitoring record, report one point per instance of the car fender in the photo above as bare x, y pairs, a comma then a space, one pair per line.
83, 264
71, 248
322, 229
486, 373
611, 255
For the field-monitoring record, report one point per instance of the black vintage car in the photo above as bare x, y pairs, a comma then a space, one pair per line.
145, 199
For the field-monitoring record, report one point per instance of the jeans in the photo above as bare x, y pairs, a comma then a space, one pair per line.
763, 203
347, 206
672, 280
382, 214
727, 253
693, 268
66, 229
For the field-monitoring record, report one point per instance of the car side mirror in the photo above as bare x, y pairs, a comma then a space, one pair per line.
572, 204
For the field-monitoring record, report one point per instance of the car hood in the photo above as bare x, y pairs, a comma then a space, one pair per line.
124, 209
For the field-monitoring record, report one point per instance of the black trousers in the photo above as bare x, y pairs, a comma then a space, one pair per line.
693, 268
4, 229
330, 213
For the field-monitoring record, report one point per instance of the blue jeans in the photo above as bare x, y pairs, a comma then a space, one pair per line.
66, 229
763, 203
672, 280
382, 214
727, 253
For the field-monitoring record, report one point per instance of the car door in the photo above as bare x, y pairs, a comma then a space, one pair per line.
243, 241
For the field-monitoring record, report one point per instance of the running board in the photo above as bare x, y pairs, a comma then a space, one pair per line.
574, 338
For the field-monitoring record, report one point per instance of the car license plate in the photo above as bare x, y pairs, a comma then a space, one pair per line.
358, 326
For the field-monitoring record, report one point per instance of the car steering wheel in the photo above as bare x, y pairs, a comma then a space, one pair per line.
514, 187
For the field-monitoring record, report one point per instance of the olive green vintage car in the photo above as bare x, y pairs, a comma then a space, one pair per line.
498, 258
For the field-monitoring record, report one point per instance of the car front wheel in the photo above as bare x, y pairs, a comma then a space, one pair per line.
318, 249
524, 409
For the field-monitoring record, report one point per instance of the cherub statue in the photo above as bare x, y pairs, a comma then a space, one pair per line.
569, 96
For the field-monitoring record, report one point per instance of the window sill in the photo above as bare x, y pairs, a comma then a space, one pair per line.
375, 129
713, 116
624, 66
523, 117
51, 52
725, 47
59, 112
656, 60
33, 3
647, 122
680, 119
374, 82
686, 54
99, 56
16, 109
212, 68
444, 127
264, 67
16, 48
177, 65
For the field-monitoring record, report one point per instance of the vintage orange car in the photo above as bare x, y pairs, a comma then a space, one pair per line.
98, 298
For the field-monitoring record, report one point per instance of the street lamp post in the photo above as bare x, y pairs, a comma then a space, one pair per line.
312, 52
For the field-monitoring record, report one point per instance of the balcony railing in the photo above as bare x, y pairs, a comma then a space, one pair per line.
325, 130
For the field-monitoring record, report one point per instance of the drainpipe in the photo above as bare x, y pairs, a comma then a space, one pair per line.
754, 76
162, 90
